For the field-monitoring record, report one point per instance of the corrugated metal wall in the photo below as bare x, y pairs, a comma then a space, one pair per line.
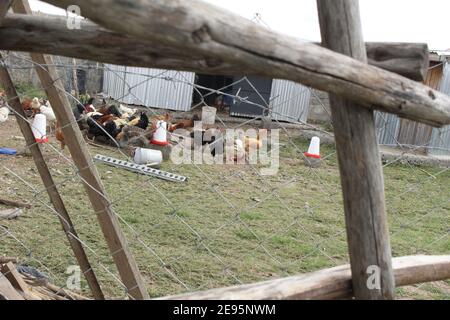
289, 101
388, 126
440, 139
155, 88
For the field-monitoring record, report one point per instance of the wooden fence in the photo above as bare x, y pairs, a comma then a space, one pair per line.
195, 36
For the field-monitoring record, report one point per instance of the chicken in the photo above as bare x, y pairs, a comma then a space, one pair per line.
183, 124
126, 110
253, 143
60, 136
4, 113
49, 115
134, 136
107, 110
89, 106
35, 106
26, 106
106, 118
142, 121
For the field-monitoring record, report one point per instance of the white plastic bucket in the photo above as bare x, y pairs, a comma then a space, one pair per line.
148, 156
314, 148
209, 115
160, 135
39, 128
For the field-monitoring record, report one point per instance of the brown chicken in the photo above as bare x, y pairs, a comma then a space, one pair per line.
60, 136
106, 118
182, 124
26, 104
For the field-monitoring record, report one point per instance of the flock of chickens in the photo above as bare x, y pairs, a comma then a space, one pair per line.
119, 125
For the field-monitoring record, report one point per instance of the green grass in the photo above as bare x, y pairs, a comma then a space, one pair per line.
25, 89
268, 227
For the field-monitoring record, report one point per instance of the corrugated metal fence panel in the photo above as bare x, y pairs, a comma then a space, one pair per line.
115, 75
440, 140
156, 88
289, 101
387, 126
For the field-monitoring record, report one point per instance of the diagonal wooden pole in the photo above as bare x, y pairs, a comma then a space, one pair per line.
108, 221
359, 163
50, 186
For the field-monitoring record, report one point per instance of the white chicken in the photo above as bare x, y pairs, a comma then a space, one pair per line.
126, 110
49, 115
4, 113
35, 105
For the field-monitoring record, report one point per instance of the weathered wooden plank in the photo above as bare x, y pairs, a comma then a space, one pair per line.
334, 283
4, 7
221, 37
50, 186
40, 33
108, 221
359, 161
16, 280
411, 60
15, 204
8, 259
7, 291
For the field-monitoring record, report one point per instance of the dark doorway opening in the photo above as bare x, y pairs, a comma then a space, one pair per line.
254, 91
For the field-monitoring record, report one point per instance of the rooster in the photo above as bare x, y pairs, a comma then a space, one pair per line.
142, 121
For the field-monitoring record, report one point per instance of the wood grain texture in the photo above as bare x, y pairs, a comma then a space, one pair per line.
15, 204
359, 163
410, 60
108, 221
206, 31
334, 283
4, 7
7, 291
40, 33
50, 186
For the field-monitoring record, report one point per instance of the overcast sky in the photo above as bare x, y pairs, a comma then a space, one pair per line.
383, 20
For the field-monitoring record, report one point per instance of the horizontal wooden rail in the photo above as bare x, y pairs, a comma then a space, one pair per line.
204, 31
40, 33
334, 283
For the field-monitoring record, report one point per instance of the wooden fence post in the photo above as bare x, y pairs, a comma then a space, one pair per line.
359, 163
108, 221
50, 186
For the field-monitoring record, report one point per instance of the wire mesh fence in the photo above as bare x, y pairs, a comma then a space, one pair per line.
227, 224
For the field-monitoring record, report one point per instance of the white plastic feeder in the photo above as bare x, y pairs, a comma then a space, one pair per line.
314, 148
148, 156
160, 135
39, 128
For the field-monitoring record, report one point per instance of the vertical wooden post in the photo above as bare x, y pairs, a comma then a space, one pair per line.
4, 7
108, 221
55, 198
359, 162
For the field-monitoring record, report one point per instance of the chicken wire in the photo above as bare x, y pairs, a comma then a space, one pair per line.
227, 225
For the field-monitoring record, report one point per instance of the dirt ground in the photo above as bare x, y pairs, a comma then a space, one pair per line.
226, 225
